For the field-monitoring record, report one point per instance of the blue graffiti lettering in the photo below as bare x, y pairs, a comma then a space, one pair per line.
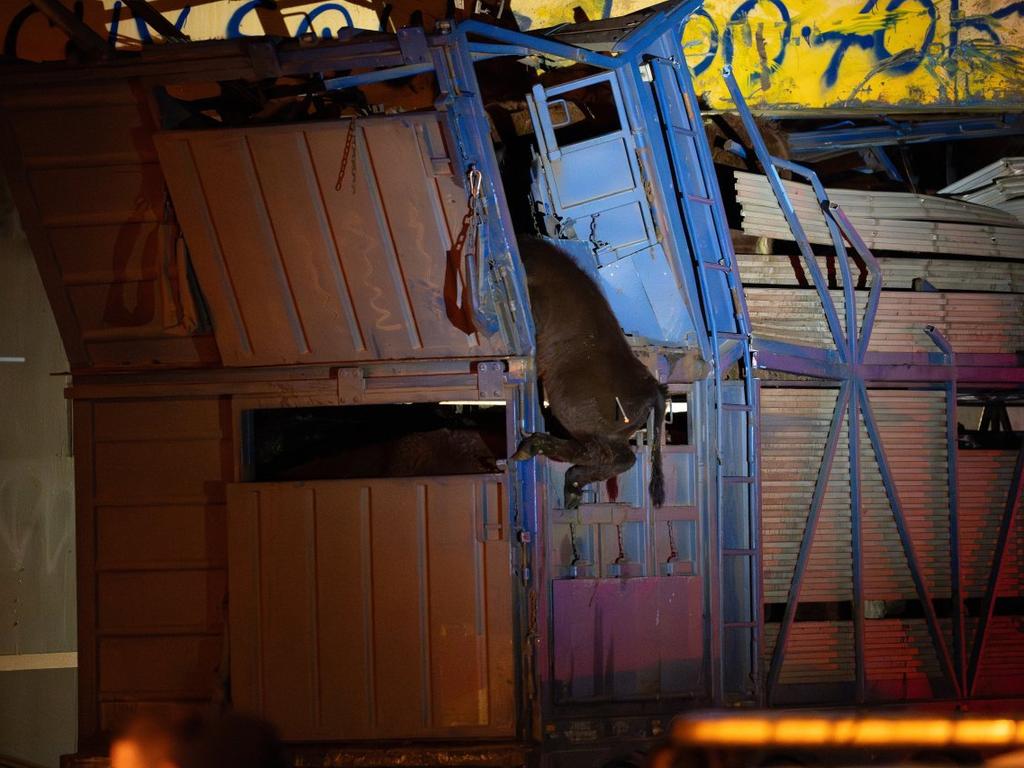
307, 21
981, 23
739, 17
875, 41
712, 51
234, 28
914, 60
143, 29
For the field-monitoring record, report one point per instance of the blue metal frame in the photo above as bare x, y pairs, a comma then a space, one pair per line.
1013, 501
953, 491
820, 486
846, 365
846, 137
657, 40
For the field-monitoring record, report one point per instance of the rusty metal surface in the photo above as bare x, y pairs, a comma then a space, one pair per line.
309, 253
373, 609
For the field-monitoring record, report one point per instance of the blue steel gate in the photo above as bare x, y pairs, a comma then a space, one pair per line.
651, 227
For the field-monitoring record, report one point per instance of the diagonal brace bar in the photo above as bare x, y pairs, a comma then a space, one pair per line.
998, 559
770, 165
820, 486
851, 233
908, 546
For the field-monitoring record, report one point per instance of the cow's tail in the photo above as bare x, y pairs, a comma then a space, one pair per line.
657, 485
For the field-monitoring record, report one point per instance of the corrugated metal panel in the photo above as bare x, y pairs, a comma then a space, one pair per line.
94, 205
897, 273
862, 205
1001, 672
912, 426
1001, 667
971, 321
818, 652
1007, 166
1000, 192
794, 427
370, 609
984, 484
300, 265
899, 660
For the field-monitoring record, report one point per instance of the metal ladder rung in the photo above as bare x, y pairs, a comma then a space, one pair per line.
739, 479
737, 407
731, 335
739, 624
739, 552
716, 266
700, 199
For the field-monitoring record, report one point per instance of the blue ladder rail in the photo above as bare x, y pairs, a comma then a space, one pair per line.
735, 615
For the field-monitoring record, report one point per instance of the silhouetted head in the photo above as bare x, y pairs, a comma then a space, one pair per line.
231, 741
194, 741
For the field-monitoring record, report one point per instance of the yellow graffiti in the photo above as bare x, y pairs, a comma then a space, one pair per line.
871, 55
900, 55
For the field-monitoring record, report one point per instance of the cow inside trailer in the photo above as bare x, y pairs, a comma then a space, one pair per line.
288, 281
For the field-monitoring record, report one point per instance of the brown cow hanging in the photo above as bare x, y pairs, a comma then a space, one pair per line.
599, 392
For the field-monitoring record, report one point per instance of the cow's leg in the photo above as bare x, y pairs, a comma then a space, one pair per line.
556, 448
616, 459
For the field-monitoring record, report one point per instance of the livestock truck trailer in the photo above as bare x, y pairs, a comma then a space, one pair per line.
285, 273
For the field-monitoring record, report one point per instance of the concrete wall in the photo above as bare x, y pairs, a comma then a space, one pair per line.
37, 529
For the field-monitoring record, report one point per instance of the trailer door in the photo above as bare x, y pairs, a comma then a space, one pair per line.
373, 609
590, 184
331, 241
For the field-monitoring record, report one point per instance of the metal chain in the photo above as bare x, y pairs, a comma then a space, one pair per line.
622, 550
673, 553
346, 155
572, 543
464, 252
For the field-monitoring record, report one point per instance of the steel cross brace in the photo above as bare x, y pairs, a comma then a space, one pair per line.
847, 365
1013, 501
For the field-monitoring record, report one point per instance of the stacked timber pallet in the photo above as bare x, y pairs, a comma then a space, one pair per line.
898, 272
887, 221
999, 185
952, 264
972, 322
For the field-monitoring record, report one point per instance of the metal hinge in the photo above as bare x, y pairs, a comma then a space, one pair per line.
351, 385
490, 380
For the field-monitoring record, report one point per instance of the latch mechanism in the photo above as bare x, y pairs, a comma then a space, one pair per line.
490, 380
351, 385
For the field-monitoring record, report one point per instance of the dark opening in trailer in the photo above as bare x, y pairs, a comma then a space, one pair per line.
362, 441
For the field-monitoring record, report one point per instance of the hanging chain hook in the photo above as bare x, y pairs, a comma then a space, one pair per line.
622, 550
476, 182
346, 155
572, 543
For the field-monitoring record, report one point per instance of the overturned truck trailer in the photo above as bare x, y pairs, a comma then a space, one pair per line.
287, 280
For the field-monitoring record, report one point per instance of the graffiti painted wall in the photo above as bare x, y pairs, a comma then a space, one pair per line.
38, 631
902, 55
841, 54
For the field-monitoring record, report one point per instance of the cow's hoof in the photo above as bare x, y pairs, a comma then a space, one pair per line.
525, 450
572, 497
